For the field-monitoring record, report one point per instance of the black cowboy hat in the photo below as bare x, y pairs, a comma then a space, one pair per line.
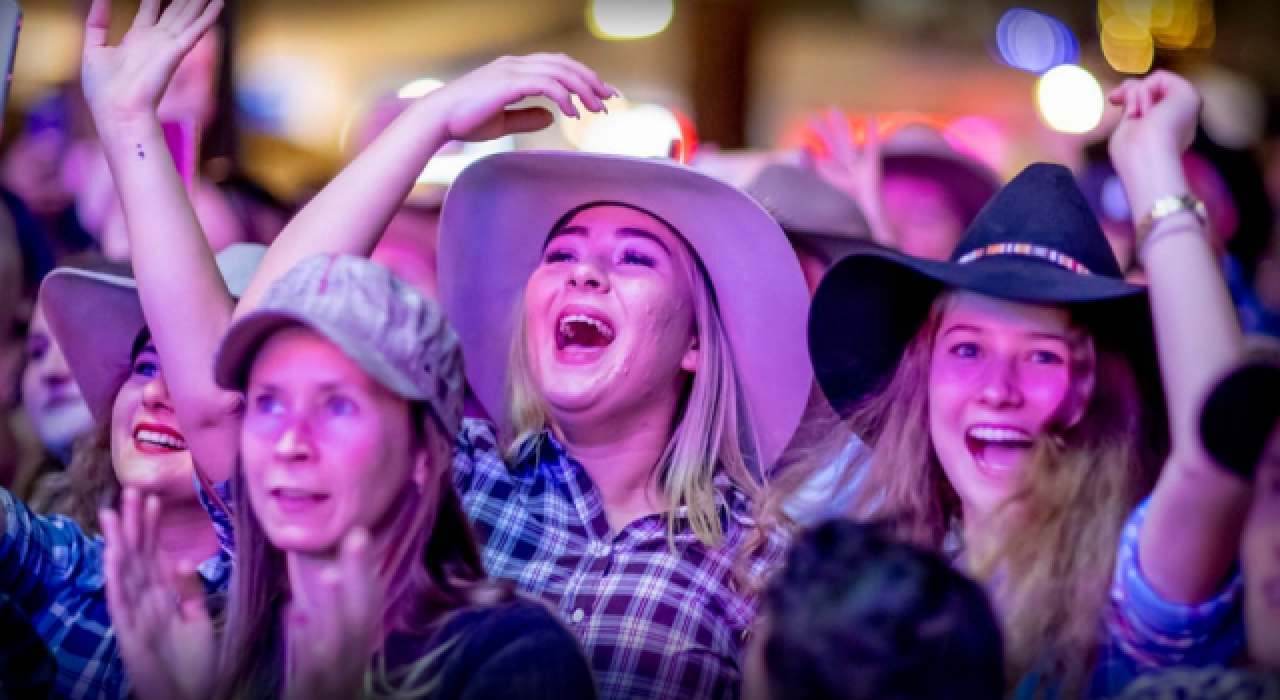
1240, 415
1037, 241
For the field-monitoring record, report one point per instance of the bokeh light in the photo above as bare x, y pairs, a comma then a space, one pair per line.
445, 167
1131, 31
1034, 42
1127, 45
629, 19
644, 131
1070, 99
419, 88
575, 130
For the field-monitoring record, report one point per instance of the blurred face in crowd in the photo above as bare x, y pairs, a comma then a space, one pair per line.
50, 395
324, 447
609, 313
922, 216
1000, 376
408, 248
1260, 557
147, 447
32, 169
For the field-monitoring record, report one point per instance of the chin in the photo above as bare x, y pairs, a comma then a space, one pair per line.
299, 539
166, 479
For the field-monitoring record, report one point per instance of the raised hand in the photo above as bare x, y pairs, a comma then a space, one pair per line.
1160, 113
477, 106
855, 170
334, 630
167, 642
127, 81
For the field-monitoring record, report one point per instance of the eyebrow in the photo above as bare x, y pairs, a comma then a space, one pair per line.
1041, 335
625, 231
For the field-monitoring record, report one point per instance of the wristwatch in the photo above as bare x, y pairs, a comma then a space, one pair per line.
1165, 207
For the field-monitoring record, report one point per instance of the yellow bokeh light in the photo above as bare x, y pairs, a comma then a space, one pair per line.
1070, 99
1127, 46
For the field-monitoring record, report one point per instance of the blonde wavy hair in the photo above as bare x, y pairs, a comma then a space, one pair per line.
1050, 575
433, 570
713, 431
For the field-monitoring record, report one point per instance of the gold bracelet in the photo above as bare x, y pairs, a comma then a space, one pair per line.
1162, 233
1165, 207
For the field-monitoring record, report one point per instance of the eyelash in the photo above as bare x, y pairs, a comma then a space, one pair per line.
556, 256
146, 368
632, 257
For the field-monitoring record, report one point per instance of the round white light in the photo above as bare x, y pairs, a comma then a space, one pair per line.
629, 19
645, 131
1070, 99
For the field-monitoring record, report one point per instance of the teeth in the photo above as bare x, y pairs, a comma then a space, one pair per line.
1004, 435
582, 318
152, 437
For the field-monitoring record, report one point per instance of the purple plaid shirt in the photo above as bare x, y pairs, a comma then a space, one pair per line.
656, 620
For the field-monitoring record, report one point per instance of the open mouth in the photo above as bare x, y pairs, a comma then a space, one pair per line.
292, 500
159, 437
583, 331
998, 447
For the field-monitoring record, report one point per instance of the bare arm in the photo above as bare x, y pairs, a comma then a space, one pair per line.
1194, 521
350, 214
185, 301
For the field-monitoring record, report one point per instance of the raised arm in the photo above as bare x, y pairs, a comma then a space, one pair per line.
350, 214
186, 303
1191, 534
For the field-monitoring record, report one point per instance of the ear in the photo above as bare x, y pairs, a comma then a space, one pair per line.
689, 362
421, 466
1083, 379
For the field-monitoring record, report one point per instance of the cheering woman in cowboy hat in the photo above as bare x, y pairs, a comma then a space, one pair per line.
636, 327
1011, 397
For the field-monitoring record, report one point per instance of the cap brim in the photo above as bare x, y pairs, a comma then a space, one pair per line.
1240, 416
246, 336
871, 304
95, 317
497, 217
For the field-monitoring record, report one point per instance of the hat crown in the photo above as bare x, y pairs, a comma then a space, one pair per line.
391, 322
1043, 206
802, 202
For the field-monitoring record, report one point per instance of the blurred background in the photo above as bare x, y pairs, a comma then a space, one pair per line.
301, 75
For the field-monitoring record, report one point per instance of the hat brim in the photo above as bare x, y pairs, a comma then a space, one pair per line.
500, 211
1240, 416
871, 304
76, 301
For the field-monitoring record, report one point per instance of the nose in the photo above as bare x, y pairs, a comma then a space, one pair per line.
1001, 388
294, 444
56, 373
587, 275
155, 395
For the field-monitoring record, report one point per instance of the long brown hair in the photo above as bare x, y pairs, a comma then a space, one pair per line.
1049, 576
434, 570
91, 482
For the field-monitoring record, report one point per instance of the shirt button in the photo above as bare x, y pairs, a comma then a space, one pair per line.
578, 615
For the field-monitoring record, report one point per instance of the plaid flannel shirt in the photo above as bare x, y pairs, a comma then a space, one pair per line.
656, 621
53, 572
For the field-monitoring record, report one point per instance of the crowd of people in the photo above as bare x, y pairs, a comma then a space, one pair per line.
877, 425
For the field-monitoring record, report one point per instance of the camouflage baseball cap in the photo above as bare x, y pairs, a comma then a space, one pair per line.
384, 325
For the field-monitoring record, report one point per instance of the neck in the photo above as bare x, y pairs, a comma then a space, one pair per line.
621, 458
186, 535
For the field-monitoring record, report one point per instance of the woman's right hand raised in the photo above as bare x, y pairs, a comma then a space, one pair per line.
167, 642
477, 106
127, 81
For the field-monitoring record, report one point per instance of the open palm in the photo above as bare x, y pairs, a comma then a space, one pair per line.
125, 81
167, 644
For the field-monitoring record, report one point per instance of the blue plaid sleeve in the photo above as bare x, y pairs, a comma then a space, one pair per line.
42, 554
222, 527
1155, 633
